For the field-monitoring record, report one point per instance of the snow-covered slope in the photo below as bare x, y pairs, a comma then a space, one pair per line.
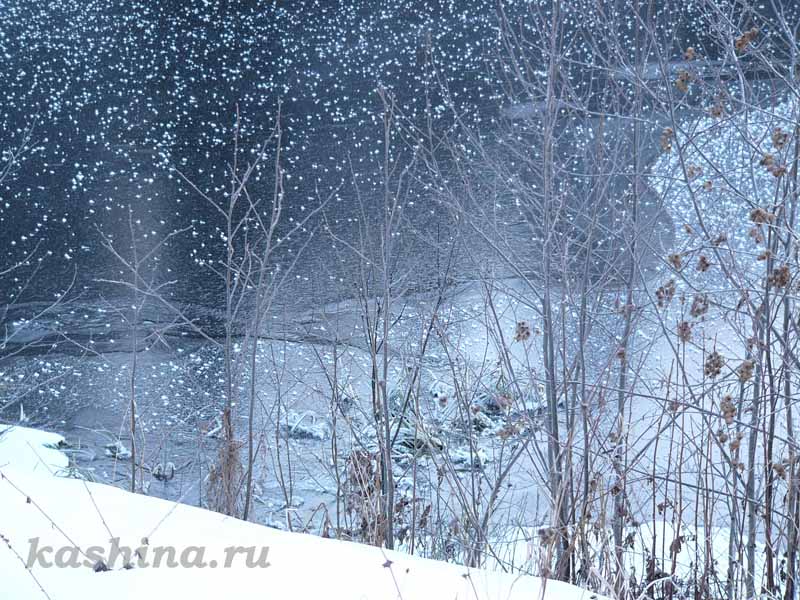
31, 450
73, 516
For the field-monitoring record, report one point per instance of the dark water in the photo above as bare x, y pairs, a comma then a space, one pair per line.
120, 95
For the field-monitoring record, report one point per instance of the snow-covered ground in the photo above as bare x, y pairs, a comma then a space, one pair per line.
31, 450
84, 522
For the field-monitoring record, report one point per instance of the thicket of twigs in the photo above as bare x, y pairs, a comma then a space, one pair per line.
636, 391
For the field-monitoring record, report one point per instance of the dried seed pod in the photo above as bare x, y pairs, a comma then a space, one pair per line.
666, 139
684, 331
522, 331
665, 293
780, 276
677, 545
690, 54
683, 80
780, 138
742, 43
777, 170
703, 264
694, 171
676, 261
759, 216
728, 409
547, 535
745, 370
756, 235
713, 365
699, 306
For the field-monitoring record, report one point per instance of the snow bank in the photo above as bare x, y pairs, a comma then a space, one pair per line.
48, 519
695, 550
31, 450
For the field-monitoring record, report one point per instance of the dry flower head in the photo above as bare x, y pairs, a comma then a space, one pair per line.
684, 331
699, 306
666, 139
745, 370
522, 331
742, 43
713, 365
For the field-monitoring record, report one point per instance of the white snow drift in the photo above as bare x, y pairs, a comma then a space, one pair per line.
47, 519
